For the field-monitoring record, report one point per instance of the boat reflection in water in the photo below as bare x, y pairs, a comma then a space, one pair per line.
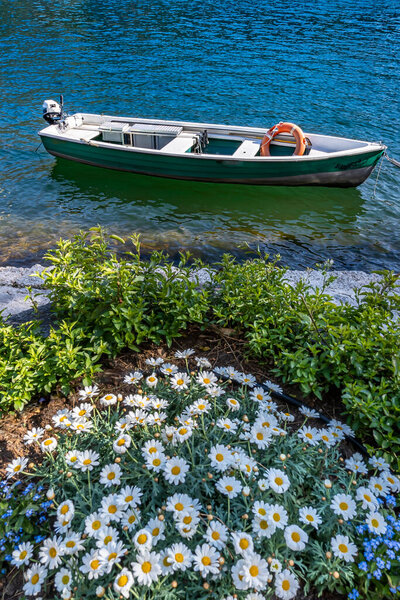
304, 225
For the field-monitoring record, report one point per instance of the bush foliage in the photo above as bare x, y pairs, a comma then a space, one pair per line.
107, 302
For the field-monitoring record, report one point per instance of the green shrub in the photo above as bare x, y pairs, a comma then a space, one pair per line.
320, 345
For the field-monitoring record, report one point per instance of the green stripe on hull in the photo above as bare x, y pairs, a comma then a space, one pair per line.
337, 171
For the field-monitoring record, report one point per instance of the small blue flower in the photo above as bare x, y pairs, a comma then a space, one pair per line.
377, 574
363, 566
354, 594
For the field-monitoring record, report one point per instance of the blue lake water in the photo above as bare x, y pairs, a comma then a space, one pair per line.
331, 66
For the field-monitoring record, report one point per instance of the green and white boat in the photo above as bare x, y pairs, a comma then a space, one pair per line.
206, 152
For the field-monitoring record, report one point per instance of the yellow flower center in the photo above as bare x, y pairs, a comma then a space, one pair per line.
107, 539
244, 544
82, 412
201, 406
70, 544
343, 548
253, 570
64, 509
123, 580
146, 567
35, 578
215, 535
95, 564
166, 561
142, 539
87, 461
121, 442
278, 480
187, 520
23, 554
262, 511
182, 431
260, 436
309, 518
96, 525
48, 442
179, 557
286, 585
229, 488
309, 436
343, 506
178, 506
266, 424
152, 379
53, 552
73, 459
155, 531
296, 536
65, 579
111, 476
374, 522
112, 509
131, 519
219, 457
175, 470
206, 380
128, 498
179, 381
367, 497
227, 426
112, 556
276, 517
206, 560
156, 462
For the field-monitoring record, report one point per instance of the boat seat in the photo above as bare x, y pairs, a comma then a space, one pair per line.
82, 134
247, 148
179, 145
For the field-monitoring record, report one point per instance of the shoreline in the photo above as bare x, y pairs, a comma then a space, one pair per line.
15, 281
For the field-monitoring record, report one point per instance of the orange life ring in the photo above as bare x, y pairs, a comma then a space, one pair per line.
284, 128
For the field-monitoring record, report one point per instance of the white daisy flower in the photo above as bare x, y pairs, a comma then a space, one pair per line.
89, 391
260, 508
84, 410
143, 540
215, 391
286, 416
263, 527
16, 466
242, 542
130, 496
206, 378
156, 528
147, 568
233, 404
122, 443
327, 438
341, 427
152, 380
110, 507
51, 551
310, 413
175, 470
343, 548
63, 580
49, 445
134, 377
248, 379
33, 435
295, 537
94, 522
180, 557
34, 578
131, 518
66, 510
110, 475
391, 480
62, 419
376, 523
108, 400
278, 516
227, 425
201, 406
238, 576
258, 394
92, 565
159, 404
81, 425
169, 369
278, 480
165, 562
273, 386
111, 554
203, 363
367, 498
123, 425
260, 437
286, 585
154, 362
275, 566
309, 516
72, 543
229, 486
216, 534
263, 484
123, 583
344, 506
179, 381
255, 571
22, 554
182, 503
155, 462
205, 560
183, 433
379, 463
356, 465
379, 486
184, 353
106, 535
71, 457
267, 421
310, 435
87, 460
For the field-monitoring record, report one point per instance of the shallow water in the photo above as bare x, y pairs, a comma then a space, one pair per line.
331, 66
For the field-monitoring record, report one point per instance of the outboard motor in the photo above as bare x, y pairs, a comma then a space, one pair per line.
53, 111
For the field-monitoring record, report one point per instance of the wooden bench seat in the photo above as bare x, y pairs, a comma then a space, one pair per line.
179, 145
248, 148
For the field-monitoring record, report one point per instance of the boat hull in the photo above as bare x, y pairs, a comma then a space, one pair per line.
343, 171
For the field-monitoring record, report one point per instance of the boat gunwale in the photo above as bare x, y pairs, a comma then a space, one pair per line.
63, 135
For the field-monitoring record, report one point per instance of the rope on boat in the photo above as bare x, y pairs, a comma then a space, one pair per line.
394, 162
